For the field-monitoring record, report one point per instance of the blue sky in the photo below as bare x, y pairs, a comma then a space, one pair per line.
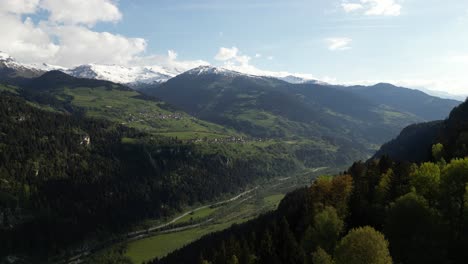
409, 42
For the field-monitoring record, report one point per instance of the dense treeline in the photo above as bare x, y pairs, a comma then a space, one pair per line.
64, 177
411, 213
414, 142
381, 211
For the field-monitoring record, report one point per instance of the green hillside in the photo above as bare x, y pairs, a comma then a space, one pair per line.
117, 103
268, 108
379, 211
66, 179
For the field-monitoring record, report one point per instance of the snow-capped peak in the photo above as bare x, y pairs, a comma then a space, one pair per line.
206, 70
134, 75
119, 74
5, 56
20, 69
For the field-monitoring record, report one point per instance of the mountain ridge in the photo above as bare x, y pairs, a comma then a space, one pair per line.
141, 76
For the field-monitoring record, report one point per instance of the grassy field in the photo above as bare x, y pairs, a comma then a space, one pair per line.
237, 212
8, 88
273, 200
128, 108
161, 245
197, 215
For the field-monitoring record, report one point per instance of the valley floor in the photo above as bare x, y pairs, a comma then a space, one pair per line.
158, 240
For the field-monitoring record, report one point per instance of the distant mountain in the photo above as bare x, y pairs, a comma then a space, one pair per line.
408, 100
132, 76
140, 77
10, 68
121, 74
414, 142
266, 107
443, 94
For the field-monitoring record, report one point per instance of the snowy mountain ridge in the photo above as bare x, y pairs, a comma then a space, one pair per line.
121, 74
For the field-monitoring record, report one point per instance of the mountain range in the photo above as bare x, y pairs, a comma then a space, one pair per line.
326, 123
139, 77
85, 154
265, 107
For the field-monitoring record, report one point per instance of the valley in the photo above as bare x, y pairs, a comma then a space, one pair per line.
158, 241
140, 174
233, 132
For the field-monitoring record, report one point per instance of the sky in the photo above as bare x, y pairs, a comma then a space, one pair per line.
413, 43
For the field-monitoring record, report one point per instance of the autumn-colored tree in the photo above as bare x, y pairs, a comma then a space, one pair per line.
333, 191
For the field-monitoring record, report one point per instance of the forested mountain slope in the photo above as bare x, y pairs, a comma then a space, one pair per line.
413, 143
65, 177
381, 211
114, 102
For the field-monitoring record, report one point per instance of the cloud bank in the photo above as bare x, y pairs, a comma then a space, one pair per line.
65, 36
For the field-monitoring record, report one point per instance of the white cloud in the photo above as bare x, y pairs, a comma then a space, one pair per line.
24, 40
337, 44
258, 55
373, 7
64, 35
244, 59
225, 54
167, 63
172, 55
80, 45
350, 7
81, 12
233, 59
19, 6
232, 56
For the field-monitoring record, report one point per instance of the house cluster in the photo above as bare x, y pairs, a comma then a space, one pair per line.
142, 116
220, 140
